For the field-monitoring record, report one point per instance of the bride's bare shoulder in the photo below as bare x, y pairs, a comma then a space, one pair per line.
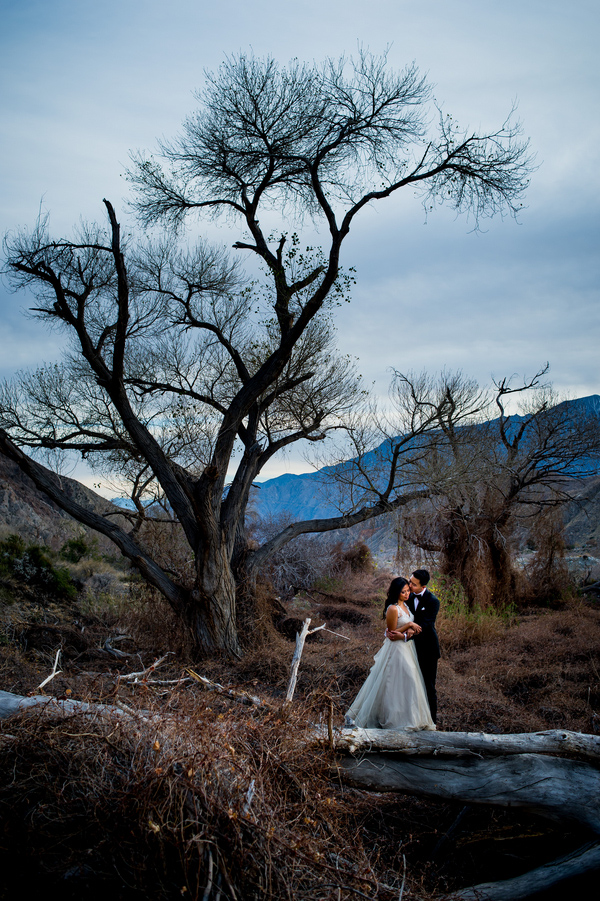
391, 616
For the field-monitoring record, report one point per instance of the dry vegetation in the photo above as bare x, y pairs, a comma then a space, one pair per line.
195, 795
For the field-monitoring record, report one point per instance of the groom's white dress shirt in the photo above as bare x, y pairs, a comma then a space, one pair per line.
417, 597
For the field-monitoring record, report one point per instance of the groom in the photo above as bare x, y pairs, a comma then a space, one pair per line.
425, 606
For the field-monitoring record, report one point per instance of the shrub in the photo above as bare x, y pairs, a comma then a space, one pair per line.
359, 558
32, 566
75, 549
461, 624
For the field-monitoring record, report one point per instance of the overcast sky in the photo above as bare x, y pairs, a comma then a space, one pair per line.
83, 83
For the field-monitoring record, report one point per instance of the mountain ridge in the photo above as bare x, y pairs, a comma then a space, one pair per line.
304, 496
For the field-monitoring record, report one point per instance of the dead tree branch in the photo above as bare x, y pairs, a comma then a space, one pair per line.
579, 863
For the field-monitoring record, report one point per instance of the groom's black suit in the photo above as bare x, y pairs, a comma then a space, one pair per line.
427, 645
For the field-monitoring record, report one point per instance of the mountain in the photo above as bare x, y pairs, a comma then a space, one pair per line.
306, 496
28, 512
25, 510
313, 495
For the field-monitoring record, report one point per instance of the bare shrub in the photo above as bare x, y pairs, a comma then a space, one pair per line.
203, 803
300, 563
547, 576
151, 622
359, 558
461, 625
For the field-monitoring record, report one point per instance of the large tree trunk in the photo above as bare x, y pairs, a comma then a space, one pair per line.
210, 613
502, 574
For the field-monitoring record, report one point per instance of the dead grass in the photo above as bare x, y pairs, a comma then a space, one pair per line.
207, 801
213, 796
542, 673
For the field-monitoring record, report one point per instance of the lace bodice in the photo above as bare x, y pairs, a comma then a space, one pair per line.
403, 617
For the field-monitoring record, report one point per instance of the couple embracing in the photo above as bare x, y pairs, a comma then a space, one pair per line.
399, 692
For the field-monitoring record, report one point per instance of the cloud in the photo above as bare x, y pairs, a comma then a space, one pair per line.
84, 84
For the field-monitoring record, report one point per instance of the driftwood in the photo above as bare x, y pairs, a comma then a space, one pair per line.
300, 639
466, 744
557, 788
115, 652
584, 861
55, 672
11, 704
142, 674
503, 770
595, 587
237, 695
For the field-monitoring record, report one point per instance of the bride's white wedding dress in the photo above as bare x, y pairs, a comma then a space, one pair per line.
393, 696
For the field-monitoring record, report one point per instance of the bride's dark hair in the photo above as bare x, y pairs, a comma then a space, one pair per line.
393, 595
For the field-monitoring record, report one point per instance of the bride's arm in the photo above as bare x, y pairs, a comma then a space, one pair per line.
391, 618
395, 631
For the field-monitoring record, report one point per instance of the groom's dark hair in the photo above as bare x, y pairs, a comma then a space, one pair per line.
422, 575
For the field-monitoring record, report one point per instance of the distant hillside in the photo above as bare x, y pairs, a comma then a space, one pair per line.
312, 495
28, 512
25, 510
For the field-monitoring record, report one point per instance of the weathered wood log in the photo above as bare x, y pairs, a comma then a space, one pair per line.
595, 587
465, 744
585, 860
503, 770
242, 696
11, 704
300, 639
564, 790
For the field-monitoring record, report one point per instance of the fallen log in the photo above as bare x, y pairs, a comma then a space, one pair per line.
563, 790
503, 770
464, 744
584, 861
242, 696
11, 704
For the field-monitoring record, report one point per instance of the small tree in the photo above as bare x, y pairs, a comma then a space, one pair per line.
182, 374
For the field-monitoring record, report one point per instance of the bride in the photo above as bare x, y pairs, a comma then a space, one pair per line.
393, 696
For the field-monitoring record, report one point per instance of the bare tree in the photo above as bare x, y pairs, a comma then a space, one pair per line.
501, 474
183, 371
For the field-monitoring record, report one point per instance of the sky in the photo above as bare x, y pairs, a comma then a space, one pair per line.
84, 83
